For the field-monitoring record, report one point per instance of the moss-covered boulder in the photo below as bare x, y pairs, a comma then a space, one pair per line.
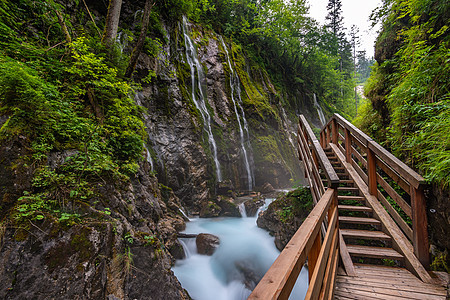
285, 215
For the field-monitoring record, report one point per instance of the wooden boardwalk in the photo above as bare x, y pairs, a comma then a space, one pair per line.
386, 283
366, 237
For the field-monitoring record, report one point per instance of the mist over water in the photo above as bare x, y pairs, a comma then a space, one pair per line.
245, 253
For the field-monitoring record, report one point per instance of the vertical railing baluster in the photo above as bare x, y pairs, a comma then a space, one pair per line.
419, 225
334, 131
372, 171
348, 146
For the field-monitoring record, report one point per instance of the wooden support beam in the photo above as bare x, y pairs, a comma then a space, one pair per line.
372, 172
313, 255
420, 230
334, 131
348, 145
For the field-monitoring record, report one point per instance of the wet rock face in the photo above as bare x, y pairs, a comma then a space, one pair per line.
252, 205
282, 222
207, 243
438, 213
221, 207
124, 255
178, 141
13, 180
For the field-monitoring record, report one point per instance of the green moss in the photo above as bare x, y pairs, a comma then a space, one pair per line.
441, 262
253, 95
80, 244
266, 149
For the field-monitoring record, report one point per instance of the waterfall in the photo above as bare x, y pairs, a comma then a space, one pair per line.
149, 158
236, 90
319, 111
199, 99
184, 214
242, 210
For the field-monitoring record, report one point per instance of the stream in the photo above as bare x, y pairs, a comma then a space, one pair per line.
245, 253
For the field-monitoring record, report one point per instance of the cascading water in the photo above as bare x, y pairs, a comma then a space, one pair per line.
242, 210
149, 158
319, 111
196, 68
244, 255
236, 90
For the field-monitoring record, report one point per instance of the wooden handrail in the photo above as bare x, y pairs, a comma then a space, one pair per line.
374, 156
322, 251
279, 280
330, 174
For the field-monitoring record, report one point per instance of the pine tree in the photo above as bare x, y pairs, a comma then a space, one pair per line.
334, 17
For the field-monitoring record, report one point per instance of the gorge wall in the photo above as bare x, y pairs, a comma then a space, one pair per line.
247, 119
214, 122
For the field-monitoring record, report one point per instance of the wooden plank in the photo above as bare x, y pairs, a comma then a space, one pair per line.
342, 294
396, 216
334, 131
341, 148
360, 172
374, 252
359, 144
345, 256
357, 220
398, 238
348, 145
355, 208
393, 175
359, 157
389, 290
365, 294
280, 278
364, 138
313, 255
396, 164
419, 219
372, 172
395, 196
355, 198
347, 189
321, 156
333, 277
330, 274
414, 286
329, 240
364, 234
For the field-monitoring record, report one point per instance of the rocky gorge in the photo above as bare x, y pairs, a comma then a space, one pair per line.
215, 127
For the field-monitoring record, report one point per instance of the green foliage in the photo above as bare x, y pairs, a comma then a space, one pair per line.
296, 203
409, 90
90, 115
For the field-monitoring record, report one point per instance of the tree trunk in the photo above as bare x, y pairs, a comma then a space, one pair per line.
63, 26
112, 22
140, 43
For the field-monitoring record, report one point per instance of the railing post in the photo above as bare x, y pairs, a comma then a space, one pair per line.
323, 139
420, 226
372, 171
334, 132
328, 134
313, 255
348, 146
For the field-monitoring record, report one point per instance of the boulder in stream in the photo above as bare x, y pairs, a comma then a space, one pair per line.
207, 243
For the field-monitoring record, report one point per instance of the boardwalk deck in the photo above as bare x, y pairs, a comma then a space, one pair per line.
354, 182
381, 282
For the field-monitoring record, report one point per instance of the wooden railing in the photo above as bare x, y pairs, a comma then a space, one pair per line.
388, 179
313, 241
